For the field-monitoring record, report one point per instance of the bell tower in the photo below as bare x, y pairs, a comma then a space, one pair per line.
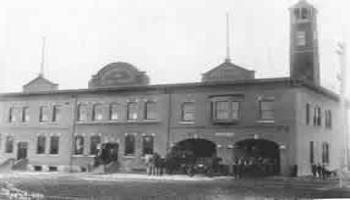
304, 57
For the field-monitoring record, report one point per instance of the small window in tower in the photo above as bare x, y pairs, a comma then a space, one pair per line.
304, 13
297, 13
301, 38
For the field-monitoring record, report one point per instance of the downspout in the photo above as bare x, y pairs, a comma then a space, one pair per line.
169, 120
74, 115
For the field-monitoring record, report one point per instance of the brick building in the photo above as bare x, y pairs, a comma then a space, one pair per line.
292, 120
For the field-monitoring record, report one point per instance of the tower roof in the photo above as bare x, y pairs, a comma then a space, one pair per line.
302, 4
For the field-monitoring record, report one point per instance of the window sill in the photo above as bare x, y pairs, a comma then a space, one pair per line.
129, 156
118, 122
266, 121
225, 121
79, 155
186, 122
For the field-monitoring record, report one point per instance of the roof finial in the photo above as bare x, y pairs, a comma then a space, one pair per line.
227, 59
42, 57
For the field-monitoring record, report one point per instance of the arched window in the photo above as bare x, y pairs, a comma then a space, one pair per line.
79, 145
129, 144
97, 112
147, 144
115, 111
94, 142
82, 112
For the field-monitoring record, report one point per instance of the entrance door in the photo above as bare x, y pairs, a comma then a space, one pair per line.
108, 153
22, 149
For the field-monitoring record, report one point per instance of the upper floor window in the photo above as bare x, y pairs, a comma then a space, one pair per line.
25, 114
266, 109
114, 111
54, 144
188, 111
14, 114
82, 112
307, 113
57, 113
226, 110
328, 119
9, 144
44, 114
131, 111
317, 116
41, 144
94, 142
150, 110
129, 144
79, 145
147, 144
97, 112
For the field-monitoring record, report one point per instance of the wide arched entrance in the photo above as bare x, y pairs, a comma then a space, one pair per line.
192, 153
260, 157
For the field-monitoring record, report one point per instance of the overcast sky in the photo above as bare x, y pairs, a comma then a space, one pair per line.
173, 41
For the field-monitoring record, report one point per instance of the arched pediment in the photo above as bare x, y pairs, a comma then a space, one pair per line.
118, 74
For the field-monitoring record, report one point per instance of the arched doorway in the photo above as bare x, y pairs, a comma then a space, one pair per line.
260, 157
192, 153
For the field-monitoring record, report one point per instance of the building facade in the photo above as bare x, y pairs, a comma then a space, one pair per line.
291, 120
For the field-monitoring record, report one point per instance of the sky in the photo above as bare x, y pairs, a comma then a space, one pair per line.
172, 41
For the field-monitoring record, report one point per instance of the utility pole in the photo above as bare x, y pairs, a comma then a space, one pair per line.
341, 51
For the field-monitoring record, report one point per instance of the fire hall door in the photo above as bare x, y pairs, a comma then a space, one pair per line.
22, 148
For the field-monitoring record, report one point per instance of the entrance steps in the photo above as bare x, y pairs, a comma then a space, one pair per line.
111, 167
7, 165
20, 164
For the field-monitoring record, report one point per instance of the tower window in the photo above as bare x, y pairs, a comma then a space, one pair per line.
301, 38
297, 13
304, 13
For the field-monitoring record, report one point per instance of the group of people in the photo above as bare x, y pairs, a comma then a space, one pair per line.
253, 166
155, 164
320, 171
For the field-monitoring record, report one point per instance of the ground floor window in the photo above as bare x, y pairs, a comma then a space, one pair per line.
79, 145
9, 144
54, 144
147, 144
311, 152
129, 144
94, 142
40, 147
325, 153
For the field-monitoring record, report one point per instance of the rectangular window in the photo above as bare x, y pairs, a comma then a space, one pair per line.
9, 144
304, 13
13, 114
79, 145
301, 38
328, 119
115, 111
44, 114
56, 116
129, 144
315, 116
319, 116
311, 152
54, 144
41, 143
307, 114
222, 110
132, 111
25, 114
266, 109
147, 144
82, 112
234, 110
325, 153
188, 111
150, 110
97, 112
94, 142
